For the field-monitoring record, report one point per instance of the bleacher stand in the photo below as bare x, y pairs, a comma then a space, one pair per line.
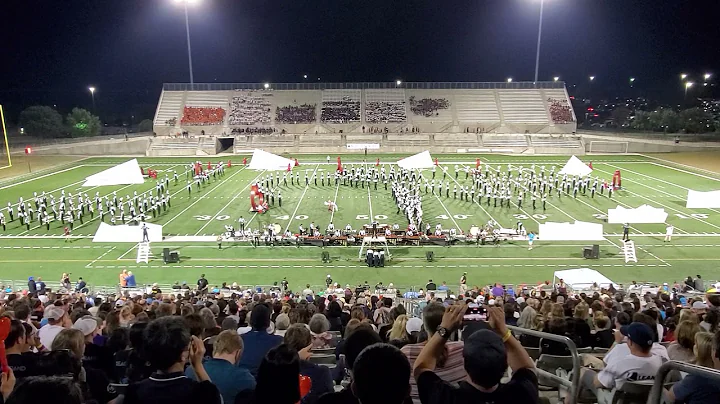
428, 107
249, 109
343, 111
296, 114
201, 116
560, 110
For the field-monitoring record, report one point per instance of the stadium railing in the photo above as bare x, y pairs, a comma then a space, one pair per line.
361, 85
574, 381
657, 392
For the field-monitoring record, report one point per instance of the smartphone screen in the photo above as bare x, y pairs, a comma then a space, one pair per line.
475, 313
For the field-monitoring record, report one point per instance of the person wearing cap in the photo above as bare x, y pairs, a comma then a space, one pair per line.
451, 368
639, 364
57, 319
95, 356
486, 354
32, 287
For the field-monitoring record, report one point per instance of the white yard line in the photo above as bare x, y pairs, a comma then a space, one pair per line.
663, 205
126, 252
301, 198
332, 214
233, 199
198, 199
653, 255
457, 226
100, 257
42, 176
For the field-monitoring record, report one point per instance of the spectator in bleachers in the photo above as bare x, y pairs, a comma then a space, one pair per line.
258, 342
319, 327
393, 387
397, 335
222, 370
682, 349
578, 327
296, 114
560, 111
428, 107
385, 112
168, 346
603, 337
339, 112
200, 116
697, 389
298, 338
449, 366
249, 109
57, 320
94, 356
278, 378
487, 354
334, 315
638, 364
62, 390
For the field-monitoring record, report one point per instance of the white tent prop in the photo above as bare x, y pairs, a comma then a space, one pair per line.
125, 233
578, 231
576, 167
582, 278
420, 160
641, 214
699, 199
262, 160
122, 174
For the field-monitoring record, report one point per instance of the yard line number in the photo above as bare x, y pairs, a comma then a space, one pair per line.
535, 216
208, 217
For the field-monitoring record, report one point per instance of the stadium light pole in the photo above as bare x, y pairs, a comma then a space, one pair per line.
556, 78
92, 94
187, 32
398, 82
537, 54
509, 79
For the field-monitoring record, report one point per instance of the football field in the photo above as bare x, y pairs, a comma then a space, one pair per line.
196, 218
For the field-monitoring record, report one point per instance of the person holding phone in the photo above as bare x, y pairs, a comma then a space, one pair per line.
487, 354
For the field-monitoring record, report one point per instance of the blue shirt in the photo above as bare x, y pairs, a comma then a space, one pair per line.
131, 281
531, 237
696, 390
442, 287
228, 378
257, 344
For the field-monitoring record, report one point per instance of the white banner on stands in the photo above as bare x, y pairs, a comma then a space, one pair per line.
363, 146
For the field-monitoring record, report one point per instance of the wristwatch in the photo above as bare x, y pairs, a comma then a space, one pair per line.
443, 332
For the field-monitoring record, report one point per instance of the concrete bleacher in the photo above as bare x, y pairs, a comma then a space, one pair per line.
460, 140
478, 108
173, 147
523, 107
169, 107
562, 142
499, 141
412, 140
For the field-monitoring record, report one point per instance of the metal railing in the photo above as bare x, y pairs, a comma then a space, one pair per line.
361, 86
573, 384
656, 394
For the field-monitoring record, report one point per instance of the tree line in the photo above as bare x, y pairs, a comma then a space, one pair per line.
45, 121
691, 120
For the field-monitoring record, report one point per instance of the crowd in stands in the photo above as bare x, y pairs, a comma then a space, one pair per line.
295, 114
343, 111
560, 111
428, 107
253, 131
249, 109
200, 116
344, 345
385, 112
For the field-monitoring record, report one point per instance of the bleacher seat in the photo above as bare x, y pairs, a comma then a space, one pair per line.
504, 140
477, 108
523, 107
385, 106
250, 108
171, 103
340, 106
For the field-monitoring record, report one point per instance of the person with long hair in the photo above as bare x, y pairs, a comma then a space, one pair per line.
703, 349
278, 378
398, 332
698, 389
682, 349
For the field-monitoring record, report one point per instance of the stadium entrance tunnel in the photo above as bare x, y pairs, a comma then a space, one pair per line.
225, 143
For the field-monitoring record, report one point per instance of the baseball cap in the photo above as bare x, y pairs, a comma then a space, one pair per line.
86, 324
699, 305
484, 349
639, 333
414, 324
520, 300
53, 312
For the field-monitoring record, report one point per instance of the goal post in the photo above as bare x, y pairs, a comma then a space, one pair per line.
606, 146
5, 160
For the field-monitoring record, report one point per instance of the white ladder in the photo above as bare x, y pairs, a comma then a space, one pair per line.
143, 252
629, 251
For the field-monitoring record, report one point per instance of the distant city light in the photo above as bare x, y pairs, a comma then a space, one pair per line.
592, 78
556, 78
689, 84
509, 80
707, 76
304, 76
683, 76
632, 79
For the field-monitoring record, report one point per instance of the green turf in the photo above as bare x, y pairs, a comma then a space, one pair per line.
695, 249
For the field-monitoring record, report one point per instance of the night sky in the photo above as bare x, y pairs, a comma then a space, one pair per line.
54, 49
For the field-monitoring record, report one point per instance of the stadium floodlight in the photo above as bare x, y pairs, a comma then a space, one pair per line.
187, 32
556, 78
592, 78
509, 79
683, 76
304, 76
707, 76
266, 85
92, 94
398, 82
687, 86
